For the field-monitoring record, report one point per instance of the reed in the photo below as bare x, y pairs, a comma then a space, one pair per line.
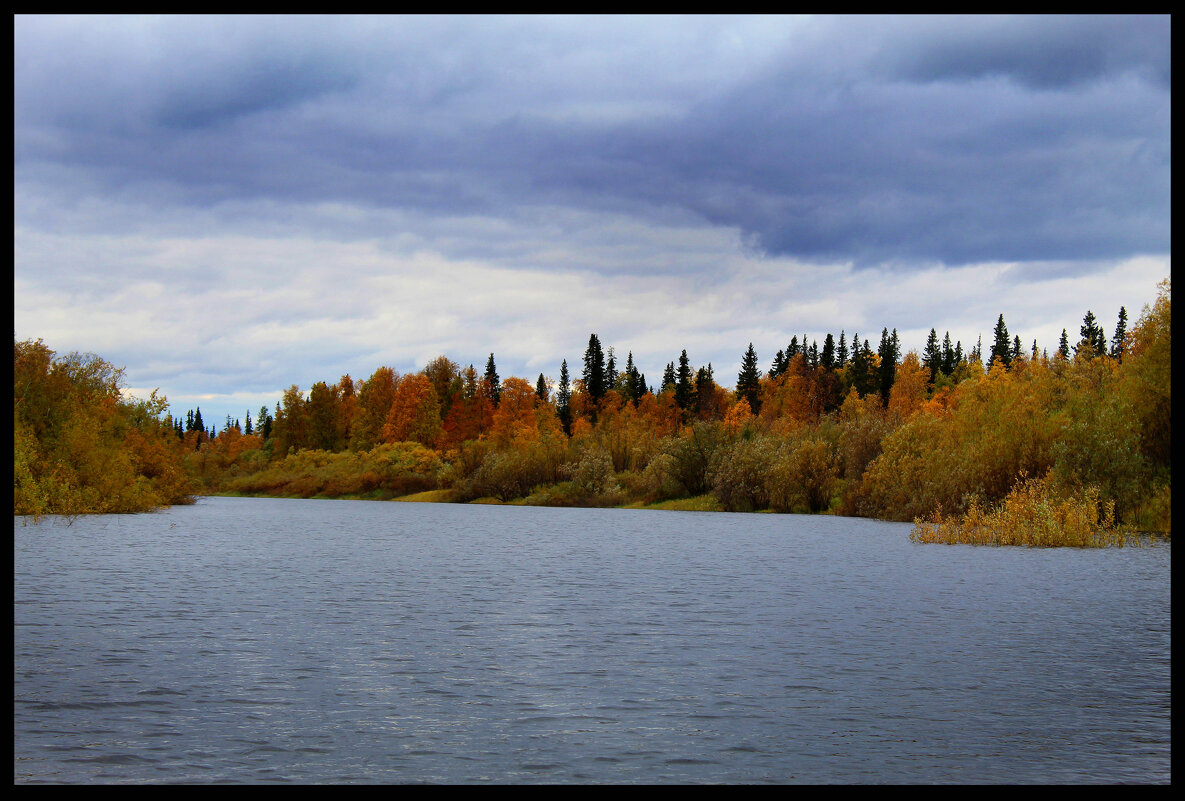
1036, 513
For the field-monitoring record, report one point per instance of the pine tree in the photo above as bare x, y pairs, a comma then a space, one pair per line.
948, 355
493, 383
1015, 352
636, 382
594, 369
932, 356
249, 430
610, 370
779, 364
668, 376
1063, 346
541, 388
748, 380
684, 391
827, 356
563, 400
1001, 346
1091, 334
1117, 341
888, 368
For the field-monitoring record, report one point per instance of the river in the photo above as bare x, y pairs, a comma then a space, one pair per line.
252, 640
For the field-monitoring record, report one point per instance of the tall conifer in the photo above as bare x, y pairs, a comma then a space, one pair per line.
748, 380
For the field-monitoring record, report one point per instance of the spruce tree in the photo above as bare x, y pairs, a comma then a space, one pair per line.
827, 356
748, 380
684, 391
1001, 345
1015, 353
1091, 333
888, 368
779, 364
842, 352
248, 431
948, 355
563, 400
668, 376
932, 355
610, 370
594, 369
493, 383
1117, 341
541, 388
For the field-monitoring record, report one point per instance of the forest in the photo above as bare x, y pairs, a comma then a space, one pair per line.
1011, 444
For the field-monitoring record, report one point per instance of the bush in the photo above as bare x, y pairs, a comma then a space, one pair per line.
738, 474
1037, 512
803, 475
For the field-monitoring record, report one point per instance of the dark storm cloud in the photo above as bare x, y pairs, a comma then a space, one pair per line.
952, 140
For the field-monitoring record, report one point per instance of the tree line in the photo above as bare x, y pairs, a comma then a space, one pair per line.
841, 427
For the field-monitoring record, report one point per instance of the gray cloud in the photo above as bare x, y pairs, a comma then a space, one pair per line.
950, 139
283, 199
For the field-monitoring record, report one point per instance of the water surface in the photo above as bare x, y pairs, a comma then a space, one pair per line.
265, 640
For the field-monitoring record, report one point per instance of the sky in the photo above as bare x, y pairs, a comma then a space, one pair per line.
228, 206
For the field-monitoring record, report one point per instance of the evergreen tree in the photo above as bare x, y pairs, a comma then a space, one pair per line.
1063, 346
827, 356
888, 368
704, 391
198, 424
792, 349
610, 370
1117, 341
594, 369
631, 379
1015, 353
779, 364
1001, 345
563, 400
249, 431
842, 352
668, 376
493, 383
932, 355
1092, 335
637, 381
684, 391
748, 380
871, 377
266, 421
948, 355
541, 388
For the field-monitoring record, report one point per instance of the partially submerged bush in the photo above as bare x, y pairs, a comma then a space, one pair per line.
1036, 513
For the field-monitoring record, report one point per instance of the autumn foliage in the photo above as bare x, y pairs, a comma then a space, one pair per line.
80, 447
855, 432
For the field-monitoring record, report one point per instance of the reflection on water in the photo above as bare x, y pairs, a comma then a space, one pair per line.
260, 641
